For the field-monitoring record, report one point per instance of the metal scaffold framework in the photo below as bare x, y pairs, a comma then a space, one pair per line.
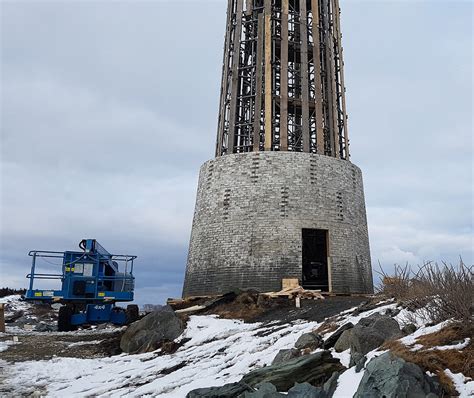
283, 79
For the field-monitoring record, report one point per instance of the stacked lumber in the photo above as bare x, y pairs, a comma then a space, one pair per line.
294, 292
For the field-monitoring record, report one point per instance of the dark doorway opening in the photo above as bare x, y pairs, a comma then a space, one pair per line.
315, 259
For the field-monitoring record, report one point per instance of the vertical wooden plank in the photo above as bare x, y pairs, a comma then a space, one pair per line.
268, 75
343, 87
235, 77
258, 82
329, 66
284, 77
333, 84
328, 254
224, 85
249, 7
2, 318
304, 75
317, 78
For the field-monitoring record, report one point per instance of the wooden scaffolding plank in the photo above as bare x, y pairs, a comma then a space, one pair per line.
284, 78
258, 82
224, 83
235, 76
343, 87
329, 67
304, 75
249, 7
268, 75
333, 101
317, 78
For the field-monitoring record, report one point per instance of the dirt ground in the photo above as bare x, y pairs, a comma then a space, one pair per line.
43, 346
311, 310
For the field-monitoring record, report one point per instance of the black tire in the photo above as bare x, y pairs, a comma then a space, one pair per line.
64, 319
132, 313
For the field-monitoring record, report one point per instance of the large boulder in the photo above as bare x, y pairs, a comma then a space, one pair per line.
343, 343
310, 340
331, 340
365, 339
388, 327
372, 332
149, 332
315, 369
391, 377
286, 355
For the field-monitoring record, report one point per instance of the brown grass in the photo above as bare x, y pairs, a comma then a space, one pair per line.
327, 327
444, 292
437, 361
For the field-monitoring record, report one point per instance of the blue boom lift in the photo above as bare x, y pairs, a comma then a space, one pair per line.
92, 281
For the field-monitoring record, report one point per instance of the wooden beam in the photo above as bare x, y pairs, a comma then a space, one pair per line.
304, 75
249, 7
317, 78
284, 78
333, 102
258, 82
268, 75
235, 76
224, 85
343, 87
329, 67
2, 318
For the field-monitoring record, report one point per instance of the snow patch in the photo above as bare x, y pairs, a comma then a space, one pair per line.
464, 385
411, 338
220, 351
459, 346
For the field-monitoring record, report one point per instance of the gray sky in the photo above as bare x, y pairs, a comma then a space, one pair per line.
109, 108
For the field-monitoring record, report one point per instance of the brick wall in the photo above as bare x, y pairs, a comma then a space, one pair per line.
250, 211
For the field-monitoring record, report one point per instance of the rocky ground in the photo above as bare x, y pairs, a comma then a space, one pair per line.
337, 347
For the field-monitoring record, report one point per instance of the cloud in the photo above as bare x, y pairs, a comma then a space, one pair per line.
109, 108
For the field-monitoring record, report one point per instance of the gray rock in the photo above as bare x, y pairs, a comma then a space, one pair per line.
265, 390
231, 390
314, 369
44, 327
331, 340
370, 333
369, 320
146, 334
305, 390
286, 355
388, 327
343, 343
409, 329
310, 340
392, 312
391, 377
365, 339
359, 361
330, 386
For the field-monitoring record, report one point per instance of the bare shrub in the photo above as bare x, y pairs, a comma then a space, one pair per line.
442, 292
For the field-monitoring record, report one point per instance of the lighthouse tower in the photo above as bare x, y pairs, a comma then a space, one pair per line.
281, 198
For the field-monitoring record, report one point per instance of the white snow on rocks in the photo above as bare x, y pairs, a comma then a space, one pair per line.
220, 351
214, 352
411, 338
464, 385
459, 346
